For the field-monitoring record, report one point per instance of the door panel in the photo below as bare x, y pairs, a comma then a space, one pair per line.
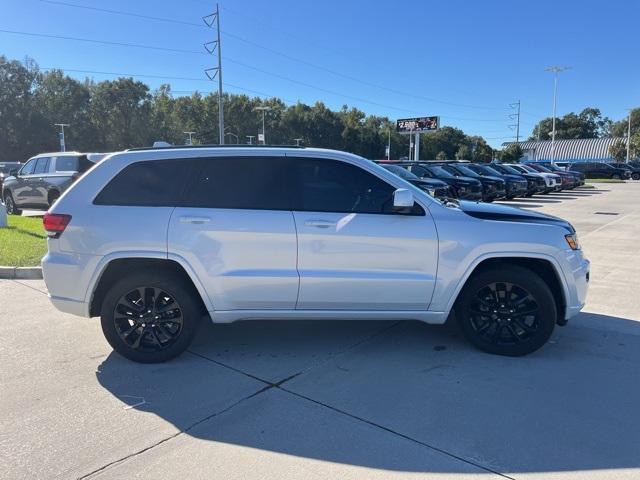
246, 259
353, 261
236, 229
354, 252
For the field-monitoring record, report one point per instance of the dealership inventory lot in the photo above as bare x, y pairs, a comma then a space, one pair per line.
338, 399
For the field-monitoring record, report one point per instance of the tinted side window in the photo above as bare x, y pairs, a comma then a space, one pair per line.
42, 165
66, 164
28, 167
255, 183
334, 186
157, 183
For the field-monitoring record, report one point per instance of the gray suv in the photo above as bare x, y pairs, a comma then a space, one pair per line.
42, 179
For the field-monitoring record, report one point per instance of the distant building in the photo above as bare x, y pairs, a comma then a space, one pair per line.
574, 150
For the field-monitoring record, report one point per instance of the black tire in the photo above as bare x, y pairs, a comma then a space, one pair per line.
635, 176
10, 204
177, 328
52, 197
509, 333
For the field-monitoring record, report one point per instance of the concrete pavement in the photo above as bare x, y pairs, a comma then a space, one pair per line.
354, 400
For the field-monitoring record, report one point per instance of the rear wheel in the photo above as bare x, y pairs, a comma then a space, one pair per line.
11, 205
52, 197
150, 317
506, 311
635, 176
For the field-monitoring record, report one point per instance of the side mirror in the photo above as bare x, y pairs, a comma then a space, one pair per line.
13, 172
403, 200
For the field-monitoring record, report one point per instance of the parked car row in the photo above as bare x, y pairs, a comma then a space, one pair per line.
486, 181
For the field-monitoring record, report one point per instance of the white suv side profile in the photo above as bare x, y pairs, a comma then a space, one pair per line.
155, 240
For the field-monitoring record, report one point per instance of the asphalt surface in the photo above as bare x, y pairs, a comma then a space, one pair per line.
344, 400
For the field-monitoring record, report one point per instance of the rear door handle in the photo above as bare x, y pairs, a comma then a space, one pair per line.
197, 220
320, 223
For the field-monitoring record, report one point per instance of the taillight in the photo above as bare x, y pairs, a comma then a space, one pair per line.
55, 223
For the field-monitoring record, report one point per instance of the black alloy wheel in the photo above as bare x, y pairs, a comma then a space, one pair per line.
148, 319
504, 314
151, 316
506, 310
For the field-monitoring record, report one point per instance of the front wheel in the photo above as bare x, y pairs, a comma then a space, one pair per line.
150, 317
506, 310
635, 176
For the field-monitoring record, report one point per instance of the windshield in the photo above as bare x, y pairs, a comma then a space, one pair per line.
509, 169
491, 171
6, 168
528, 168
439, 171
464, 170
401, 172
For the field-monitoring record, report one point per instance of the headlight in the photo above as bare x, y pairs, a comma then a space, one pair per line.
431, 191
572, 241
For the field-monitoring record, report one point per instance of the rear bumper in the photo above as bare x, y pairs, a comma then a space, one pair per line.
68, 305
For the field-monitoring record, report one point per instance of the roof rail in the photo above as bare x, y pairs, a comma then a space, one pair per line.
234, 145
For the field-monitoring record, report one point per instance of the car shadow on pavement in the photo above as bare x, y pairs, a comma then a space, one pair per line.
393, 395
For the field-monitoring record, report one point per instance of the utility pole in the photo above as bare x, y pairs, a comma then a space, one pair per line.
516, 116
61, 134
190, 141
629, 135
555, 70
250, 138
211, 47
389, 146
297, 140
263, 110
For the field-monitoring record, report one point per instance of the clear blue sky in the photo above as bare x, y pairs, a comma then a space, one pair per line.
462, 60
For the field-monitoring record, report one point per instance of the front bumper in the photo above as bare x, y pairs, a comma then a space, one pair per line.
577, 270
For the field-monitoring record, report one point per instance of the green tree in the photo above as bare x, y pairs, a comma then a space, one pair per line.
441, 156
618, 151
512, 153
587, 124
120, 110
619, 129
463, 153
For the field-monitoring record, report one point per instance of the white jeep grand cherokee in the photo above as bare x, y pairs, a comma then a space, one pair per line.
153, 240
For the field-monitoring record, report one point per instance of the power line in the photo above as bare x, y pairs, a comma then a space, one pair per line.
166, 77
128, 14
284, 55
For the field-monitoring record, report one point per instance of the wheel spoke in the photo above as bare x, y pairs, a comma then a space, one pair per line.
513, 333
136, 323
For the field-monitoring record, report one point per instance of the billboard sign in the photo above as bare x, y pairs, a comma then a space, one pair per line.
417, 125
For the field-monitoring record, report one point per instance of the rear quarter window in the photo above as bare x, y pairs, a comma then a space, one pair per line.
66, 164
153, 183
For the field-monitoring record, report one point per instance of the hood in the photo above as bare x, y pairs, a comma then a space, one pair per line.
492, 178
503, 213
429, 182
466, 180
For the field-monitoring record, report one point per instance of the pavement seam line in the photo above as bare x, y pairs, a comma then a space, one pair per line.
278, 385
170, 437
28, 286
394, 432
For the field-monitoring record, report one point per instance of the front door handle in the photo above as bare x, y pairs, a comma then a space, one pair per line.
320, 223
196, 220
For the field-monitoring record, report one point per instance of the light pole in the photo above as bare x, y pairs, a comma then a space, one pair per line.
190, 141
250, 138
61, 134
629, 135
298, 140
263, 110
555, 70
